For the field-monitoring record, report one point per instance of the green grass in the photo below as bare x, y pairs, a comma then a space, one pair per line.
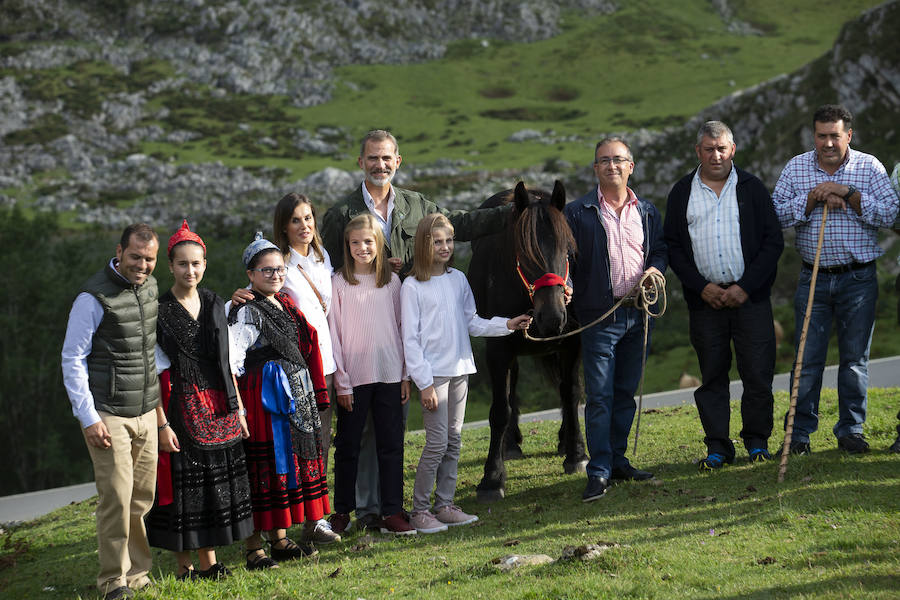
829, 531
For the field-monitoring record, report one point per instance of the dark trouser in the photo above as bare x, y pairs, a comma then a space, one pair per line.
753, 333
383, 399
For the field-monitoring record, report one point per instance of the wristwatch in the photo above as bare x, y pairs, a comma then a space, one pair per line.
850, 191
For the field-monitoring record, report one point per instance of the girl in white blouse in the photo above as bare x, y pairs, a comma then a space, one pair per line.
438, 316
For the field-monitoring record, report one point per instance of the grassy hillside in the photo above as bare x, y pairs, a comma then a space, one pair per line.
651, 64
829, 531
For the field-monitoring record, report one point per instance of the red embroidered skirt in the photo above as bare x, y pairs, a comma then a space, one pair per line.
275, 506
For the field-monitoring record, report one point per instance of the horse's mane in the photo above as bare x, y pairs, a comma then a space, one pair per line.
494, 256
528, 247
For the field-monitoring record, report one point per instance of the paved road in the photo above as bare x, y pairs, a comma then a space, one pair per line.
883, 372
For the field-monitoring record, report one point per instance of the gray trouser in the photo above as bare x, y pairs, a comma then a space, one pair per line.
440, 457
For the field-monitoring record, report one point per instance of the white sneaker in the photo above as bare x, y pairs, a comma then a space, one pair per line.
453, 515
319, 532
425, 522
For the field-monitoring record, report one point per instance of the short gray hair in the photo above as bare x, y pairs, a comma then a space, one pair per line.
378, 135
610, 140
714, 130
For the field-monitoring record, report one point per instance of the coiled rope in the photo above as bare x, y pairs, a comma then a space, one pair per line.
650, 290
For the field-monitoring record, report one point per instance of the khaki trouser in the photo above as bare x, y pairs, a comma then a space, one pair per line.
126, 483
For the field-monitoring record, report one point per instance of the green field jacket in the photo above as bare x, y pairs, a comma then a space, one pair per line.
409, 208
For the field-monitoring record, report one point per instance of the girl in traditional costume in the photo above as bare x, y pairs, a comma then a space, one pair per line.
275, 354
308, 284
203, 495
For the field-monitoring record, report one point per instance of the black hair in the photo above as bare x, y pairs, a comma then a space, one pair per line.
141, 231
832, 113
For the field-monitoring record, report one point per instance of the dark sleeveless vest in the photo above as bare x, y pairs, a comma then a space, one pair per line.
121, 365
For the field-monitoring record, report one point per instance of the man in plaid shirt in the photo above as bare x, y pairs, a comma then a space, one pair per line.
860, 199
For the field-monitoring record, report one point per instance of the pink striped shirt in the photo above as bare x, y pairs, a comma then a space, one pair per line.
625, 243
365, 332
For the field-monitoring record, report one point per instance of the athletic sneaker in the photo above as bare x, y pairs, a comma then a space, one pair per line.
397, 524
453, 515
319, 532
714, 461
425, 522
759, 455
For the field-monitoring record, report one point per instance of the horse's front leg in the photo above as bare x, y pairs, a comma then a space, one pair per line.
493, 484
570, 438
512, 440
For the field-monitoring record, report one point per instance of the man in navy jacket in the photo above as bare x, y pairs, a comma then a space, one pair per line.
619, 238
724, 241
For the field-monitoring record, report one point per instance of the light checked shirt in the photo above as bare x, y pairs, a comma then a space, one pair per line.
714, 225
848, 237
625, 243
385, 223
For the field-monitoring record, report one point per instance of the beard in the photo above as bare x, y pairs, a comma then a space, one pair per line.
380, 179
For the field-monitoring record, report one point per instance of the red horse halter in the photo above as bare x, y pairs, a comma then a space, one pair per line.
545, 280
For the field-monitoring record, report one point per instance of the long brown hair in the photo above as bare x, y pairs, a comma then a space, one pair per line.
382, 266
424, 254
284, 210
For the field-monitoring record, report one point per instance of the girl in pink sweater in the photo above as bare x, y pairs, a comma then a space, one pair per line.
370, 376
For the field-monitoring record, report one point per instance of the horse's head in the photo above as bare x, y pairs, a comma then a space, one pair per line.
543, 242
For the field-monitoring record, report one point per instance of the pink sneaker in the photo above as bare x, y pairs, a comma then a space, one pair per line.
424, 522
453, 515
397, 524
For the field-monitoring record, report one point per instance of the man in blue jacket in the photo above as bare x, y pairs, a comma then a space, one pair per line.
724, 241
619, 238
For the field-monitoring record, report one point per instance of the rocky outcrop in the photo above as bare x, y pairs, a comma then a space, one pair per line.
270, 46
102, 178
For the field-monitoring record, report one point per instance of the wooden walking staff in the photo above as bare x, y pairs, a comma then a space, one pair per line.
798, 367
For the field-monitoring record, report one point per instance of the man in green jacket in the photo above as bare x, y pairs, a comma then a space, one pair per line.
399, 212
109, 372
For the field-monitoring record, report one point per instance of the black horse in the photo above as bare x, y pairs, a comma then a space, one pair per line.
533, 248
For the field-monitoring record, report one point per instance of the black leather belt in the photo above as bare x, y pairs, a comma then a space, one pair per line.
725, 286
628, 301
836, 269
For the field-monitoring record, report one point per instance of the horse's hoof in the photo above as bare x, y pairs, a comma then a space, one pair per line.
571, 468
489, 496
513, 453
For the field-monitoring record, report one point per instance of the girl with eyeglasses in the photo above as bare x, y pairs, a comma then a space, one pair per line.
275, 354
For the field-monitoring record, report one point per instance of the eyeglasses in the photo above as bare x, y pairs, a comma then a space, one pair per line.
270, 272
616, 160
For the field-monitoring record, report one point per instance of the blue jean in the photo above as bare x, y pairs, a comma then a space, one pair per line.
848, 300
611, 357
